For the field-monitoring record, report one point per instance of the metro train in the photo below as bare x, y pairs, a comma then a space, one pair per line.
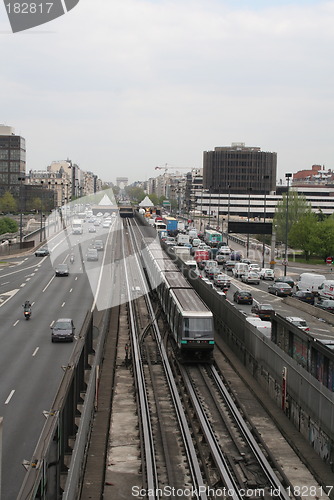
190, 320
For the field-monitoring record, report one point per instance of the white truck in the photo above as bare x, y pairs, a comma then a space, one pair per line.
182, 239
182, 252
77, 226
310, 281
326, 290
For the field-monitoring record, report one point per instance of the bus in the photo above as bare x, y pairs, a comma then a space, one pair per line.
212, 237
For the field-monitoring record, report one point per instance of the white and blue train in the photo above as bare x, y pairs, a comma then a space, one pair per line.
190, 320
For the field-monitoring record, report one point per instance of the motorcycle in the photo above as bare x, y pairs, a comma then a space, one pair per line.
27, 314
72, 259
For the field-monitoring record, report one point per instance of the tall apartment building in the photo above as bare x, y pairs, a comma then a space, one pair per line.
12, 161
239, 169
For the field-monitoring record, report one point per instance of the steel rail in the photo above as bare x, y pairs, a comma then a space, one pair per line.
150, 462
199, 490
249, 438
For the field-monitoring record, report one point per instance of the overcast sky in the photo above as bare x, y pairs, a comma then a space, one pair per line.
120, 87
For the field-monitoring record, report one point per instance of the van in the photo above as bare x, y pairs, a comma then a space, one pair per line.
262, 326
326, 290
310, 281
240, 269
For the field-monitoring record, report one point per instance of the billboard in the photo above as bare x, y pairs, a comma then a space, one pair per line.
250, 227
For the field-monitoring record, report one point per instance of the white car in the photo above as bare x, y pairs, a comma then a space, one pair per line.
251, 277
300, 322
267, 274
254, 267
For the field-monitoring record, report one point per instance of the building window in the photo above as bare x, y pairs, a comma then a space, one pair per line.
15, 154
3, 166
3, 154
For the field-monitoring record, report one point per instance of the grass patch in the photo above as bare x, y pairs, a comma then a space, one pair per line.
312, 260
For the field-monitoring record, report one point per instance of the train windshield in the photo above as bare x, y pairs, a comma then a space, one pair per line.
197, 328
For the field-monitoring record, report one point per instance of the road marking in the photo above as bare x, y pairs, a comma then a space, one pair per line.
11, 294
9, 397
71, 290
48, 284
35, 351
5, 283
23, 284
63, 304
16, 322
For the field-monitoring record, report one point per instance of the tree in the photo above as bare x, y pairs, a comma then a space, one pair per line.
135, 194
325, 233
8, 225
8, 203
298, 207
304, 234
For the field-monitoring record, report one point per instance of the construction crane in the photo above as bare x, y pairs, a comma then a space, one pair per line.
167, 167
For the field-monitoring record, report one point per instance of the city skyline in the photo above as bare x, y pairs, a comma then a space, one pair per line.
120, 88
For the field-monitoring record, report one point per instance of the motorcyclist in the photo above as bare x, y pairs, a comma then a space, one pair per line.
27, 306
72, 258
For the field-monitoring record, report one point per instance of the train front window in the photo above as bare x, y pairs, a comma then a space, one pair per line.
197, 328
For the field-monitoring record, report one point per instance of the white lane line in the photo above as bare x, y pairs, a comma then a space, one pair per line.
35, 351
23, 284
48, 284
71, 290
28, 279
5, 283
16, 322
63, 304
9, 397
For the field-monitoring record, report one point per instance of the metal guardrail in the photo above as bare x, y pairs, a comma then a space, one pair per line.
50, 460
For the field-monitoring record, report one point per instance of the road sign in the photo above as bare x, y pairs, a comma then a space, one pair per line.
329, 260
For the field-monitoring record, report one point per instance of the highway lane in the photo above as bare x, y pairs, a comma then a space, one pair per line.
30, 365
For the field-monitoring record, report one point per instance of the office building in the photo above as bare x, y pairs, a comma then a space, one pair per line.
239, 169
12, 161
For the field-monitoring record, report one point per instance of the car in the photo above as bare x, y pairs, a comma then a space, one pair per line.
286, 279
267, 274
304, 296
98, 244
62, 330
212, 272
42, 252
229, 265
243, 297
251, 277
236, 255
254, 267
92, 229
220, 258
280, 289
222, 280
263, 311
299, 322
326, 305
92, 254
62, 270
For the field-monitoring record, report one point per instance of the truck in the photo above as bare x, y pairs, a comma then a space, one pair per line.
201, 255
77, 226
171, 225
326, 290
182, 252
182, 239
310, 281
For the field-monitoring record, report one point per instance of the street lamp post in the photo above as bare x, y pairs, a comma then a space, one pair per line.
288, 177
265, 178
228, 211
250, 190
21, 209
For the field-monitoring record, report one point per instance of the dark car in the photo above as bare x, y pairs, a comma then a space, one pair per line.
263, 311
280, 289
326, 305
285, 279
236, 255
62, 270
92, 254
42, 252
304, 296
62, 330
229, 265
243, 297
98, 244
